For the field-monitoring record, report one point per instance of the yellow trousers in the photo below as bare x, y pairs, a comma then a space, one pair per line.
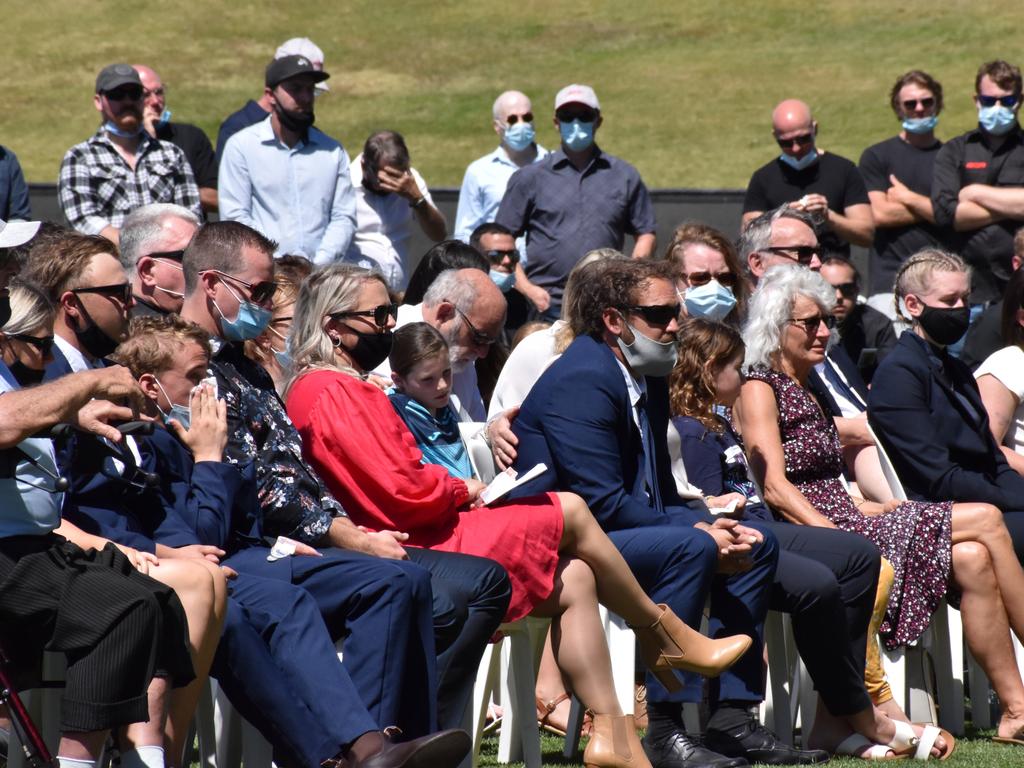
874, 674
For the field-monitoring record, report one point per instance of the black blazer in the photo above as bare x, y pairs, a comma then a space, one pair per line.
927, 412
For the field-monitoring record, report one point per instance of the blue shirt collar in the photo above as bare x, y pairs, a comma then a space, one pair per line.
8, 376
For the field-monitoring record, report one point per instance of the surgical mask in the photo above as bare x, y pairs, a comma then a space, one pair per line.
371, 349
920, 124
648, 357
712, 301
248, 323
111, 127
297, 122
520, 136
169, 292
180, 413
577, 135
24, 375
996, 119
283, 359
504, 280
945, 325
799, 163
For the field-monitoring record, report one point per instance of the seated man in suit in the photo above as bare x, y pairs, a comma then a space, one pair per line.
598, 419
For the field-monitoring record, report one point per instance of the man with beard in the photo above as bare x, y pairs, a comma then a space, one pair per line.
121, 167
285, 178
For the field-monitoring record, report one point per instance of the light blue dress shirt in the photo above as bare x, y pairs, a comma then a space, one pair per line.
299, 196
483, 186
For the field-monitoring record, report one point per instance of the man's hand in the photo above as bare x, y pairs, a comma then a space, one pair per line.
387, 544
734, 542
116, 383
399, 182
379, 382
898, 192
207, 435
195, 552
717, 502
97, 415
502, 439
540, 298
812, 203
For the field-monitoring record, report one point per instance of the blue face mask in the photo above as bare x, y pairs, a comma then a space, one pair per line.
504, 280
577, 135
712, 301
283, 359
519, 136
248, 323
798, 164
180, 413
996, 119
920, 124
111, 127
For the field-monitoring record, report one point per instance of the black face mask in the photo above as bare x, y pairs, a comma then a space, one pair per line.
5, 308
943, 325
26, 376
371, 350
94, 339
297, 122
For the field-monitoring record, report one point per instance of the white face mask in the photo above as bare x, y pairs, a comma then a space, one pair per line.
648, 357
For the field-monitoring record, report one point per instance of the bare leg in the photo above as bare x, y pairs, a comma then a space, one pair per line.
82, 746
551, 685
987, 631
151, 732
871, 723
862, 460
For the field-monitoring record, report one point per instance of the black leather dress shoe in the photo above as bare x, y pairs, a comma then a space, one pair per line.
444, 749
759, 745
676, 749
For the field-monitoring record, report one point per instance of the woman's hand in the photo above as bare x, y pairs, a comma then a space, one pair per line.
141, 561
207, 435
718, 502
474, 488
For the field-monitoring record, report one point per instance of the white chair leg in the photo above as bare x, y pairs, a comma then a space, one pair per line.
227, 724
775, 712
895, 665
206, 733
981, 712
948, 654
483, 688
622, 649
519, 738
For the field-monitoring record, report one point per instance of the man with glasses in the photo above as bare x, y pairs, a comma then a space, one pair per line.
979, 183
576, 199
85, 280
898, 175
153, 242
496, 243
156, 119
121, 167
820, 183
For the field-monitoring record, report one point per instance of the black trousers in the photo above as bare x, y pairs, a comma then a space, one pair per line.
117, 628
826, 580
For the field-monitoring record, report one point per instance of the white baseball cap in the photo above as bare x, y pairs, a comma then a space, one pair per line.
577, 94
15, 233
303, 46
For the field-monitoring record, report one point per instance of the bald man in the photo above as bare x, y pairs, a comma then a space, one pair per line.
825, 185
156, 119
484, 184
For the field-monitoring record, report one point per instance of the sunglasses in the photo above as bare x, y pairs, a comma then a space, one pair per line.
172, 255
259, 293
811, 324
847, 290
911, 104
802, 140
122, 292
694, 279
127, 93
43, 343
656, 314
479, 337
379, 314
803, 253
496, 257
526, 118
584, 115
1009, 102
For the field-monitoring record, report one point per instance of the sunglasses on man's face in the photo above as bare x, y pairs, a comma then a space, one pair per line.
259, 293
695, 279
656, 314
379, 314
847, 290
497, 257
526, 117
802, 253
121, 292
911, 104
801, 141
1009, 102
583, 114
43, 343
125, 93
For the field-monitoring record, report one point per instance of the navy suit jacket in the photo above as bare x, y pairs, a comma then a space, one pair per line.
926, 410
841, 360
57, 367
578, 421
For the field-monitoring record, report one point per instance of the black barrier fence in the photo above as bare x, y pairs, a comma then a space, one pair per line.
721, 208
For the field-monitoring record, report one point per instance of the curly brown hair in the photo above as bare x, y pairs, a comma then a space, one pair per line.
153, 341
704, 347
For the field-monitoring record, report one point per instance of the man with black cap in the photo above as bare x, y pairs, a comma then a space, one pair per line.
285, 178
121, 167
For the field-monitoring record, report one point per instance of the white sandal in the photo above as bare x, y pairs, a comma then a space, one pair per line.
855, 744
909, 744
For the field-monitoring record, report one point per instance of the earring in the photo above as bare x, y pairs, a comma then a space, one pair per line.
336, 342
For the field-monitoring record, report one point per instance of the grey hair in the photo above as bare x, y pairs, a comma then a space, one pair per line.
145, 224
771, 306
448, 287
332, 289
31, 308
757, 235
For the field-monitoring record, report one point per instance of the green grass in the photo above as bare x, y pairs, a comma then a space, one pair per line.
973, 751
687, 86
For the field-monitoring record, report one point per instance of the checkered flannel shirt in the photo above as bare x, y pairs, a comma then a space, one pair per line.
97, 189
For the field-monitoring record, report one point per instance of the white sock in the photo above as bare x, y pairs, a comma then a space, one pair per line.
143, 757
71, 762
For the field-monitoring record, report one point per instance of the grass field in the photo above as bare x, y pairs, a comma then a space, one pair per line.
686, 87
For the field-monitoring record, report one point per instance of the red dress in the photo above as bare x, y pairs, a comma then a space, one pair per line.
371, 463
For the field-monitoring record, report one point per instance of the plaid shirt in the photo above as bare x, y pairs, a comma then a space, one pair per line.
97, 189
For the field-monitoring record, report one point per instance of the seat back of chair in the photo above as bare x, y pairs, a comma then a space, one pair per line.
480, 456
888, 471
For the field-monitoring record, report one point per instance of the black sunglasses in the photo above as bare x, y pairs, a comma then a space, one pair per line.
1007, 101
911, 104
656, 314
379, 314
804, 253
496, 257
259, 293
847, 290
129, 92
526, 118
802, 140
120, 291
479, 337
583, 114
694, 279
43, 343
811, 324
172, 255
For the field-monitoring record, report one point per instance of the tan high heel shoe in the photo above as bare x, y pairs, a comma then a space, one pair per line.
614, 744
670, 644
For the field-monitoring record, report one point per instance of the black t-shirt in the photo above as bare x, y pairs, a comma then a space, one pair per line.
197, 148
984, 337
833, 176
894, 245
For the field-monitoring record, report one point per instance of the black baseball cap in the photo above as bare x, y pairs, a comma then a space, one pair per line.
287, 67
115, 75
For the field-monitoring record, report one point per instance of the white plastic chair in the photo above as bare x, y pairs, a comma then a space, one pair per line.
480, 455
43, 706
